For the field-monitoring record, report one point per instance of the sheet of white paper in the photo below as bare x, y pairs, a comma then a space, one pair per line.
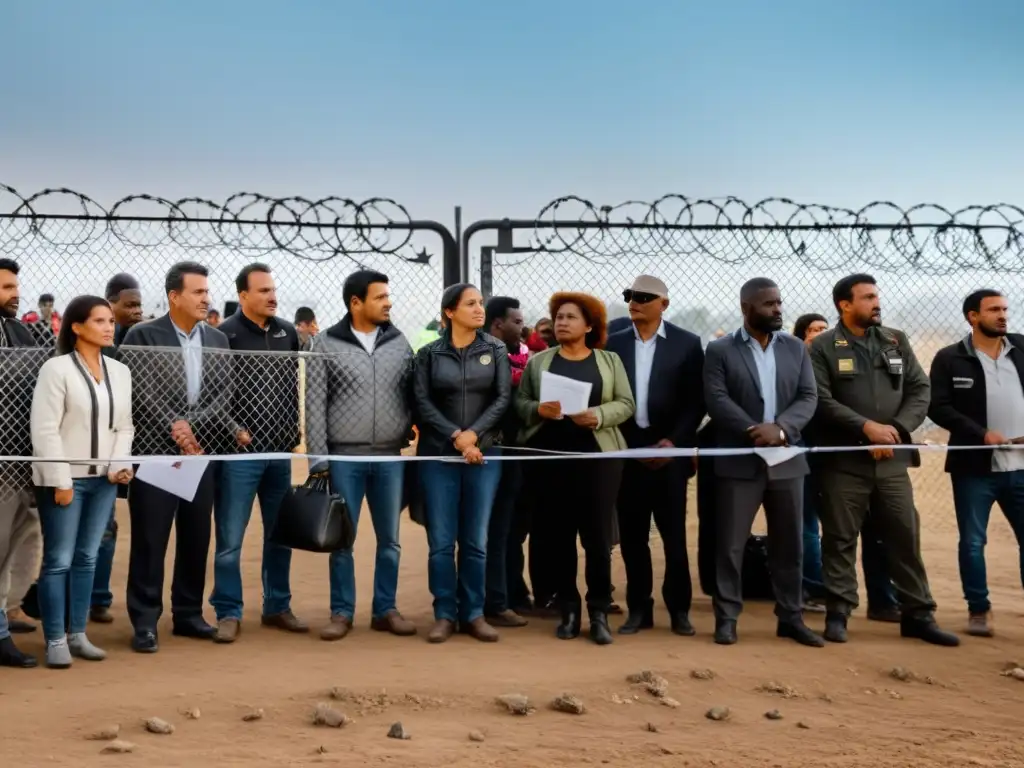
574, 396
180, 478
775, 456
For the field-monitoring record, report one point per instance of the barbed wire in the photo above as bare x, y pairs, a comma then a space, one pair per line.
249, 223
928, 238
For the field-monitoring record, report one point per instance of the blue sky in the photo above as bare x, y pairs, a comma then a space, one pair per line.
500, 106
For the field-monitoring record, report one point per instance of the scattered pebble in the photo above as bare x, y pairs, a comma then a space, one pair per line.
641, 677
670, 702
256, 714
321, 750
516, 703
656, 685
894, 694
778, 688
826, 698
192, 713
397, 731
109, 733
325, 714
702, 674
118, 747
902, 674
1017, 673
773, 714
156, 725
569, 704
718, 713
803, 724
652, 728
476, 736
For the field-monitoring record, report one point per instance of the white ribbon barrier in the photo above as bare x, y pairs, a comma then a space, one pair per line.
516, 453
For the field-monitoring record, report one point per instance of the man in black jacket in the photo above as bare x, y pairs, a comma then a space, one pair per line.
265, 403
180, 405
978, 395
665, 366
18, 518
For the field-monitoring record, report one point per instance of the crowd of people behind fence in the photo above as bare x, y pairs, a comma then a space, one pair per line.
84, 391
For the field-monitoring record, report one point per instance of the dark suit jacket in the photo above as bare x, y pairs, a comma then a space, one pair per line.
675, 399
732, 390
154, 355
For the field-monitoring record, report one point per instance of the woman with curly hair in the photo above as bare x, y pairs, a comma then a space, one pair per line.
576, 497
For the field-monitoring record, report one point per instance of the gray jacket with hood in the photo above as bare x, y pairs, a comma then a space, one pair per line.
357, 402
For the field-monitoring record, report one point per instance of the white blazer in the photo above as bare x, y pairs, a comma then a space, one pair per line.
75, 417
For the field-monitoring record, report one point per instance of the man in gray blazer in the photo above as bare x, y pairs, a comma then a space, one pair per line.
181, 371
760, 393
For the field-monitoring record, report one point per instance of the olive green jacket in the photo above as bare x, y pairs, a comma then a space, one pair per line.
617, 403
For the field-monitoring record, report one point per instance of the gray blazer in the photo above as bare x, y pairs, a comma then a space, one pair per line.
732, 390
159, 394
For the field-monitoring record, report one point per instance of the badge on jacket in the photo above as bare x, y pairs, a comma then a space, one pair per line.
485, 359
846, 365
842, 343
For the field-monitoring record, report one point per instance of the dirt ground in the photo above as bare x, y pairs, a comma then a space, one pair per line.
838, 704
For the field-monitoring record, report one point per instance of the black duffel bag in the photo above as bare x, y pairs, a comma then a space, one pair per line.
314, 519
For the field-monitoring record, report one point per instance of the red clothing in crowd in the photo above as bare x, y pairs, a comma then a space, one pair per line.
35, 317
535, 343
518, 362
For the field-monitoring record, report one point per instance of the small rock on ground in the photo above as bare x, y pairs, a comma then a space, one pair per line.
397, 731
162, 727
118, 747
569, 704
325, 714
192, 713
641, 677
902, 674
652, 728
109, 733
718, 713
1017, 673
803, 724
773, 714
253, 715
702, 674
476, 736
784, 691
516, 703
668, 701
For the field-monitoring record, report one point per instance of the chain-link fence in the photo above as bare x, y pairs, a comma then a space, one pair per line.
926, 260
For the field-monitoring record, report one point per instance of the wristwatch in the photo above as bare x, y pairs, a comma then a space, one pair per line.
782, 435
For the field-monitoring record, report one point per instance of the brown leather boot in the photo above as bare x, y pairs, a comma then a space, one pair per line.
395, 623
287, 621
339, 627
480, 630
441, 631
227, 631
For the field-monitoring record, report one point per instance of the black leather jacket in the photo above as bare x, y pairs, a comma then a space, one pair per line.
468, 389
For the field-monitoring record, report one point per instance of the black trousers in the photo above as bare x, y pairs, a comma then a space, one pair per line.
661, 494
515, 560
577, 499
153, 512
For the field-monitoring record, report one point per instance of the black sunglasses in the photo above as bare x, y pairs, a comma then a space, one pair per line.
630, 296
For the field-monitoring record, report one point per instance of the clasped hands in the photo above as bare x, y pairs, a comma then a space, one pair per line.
465, 443
882, 435
184, 437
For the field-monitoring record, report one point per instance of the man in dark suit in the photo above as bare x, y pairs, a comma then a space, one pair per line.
180, 400
760, 393
665, 365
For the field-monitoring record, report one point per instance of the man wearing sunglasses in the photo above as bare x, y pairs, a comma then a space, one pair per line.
665, 366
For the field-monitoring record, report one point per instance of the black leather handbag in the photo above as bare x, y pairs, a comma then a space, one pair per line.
314, 519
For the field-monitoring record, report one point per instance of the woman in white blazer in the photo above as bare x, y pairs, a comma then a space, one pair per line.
81, 409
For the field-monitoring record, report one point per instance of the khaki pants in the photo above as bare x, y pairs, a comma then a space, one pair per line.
20, 544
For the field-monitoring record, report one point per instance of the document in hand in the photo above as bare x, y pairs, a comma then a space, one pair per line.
572, 395
180, 478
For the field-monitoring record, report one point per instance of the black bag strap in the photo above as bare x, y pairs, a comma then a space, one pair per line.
319, 483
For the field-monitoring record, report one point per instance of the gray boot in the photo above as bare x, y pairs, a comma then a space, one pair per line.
58, 654
80, 646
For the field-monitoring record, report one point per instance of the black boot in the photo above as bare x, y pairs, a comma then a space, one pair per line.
570, 626
835, 628
10, 656
600, 632
927, 630
725, 632
638, 618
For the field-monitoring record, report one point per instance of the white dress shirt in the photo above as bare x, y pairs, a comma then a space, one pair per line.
644, 352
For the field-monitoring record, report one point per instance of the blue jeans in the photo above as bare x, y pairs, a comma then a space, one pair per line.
877, 584
973, 497
102, 597
458, 499
380, 483
71, 542
240, 483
